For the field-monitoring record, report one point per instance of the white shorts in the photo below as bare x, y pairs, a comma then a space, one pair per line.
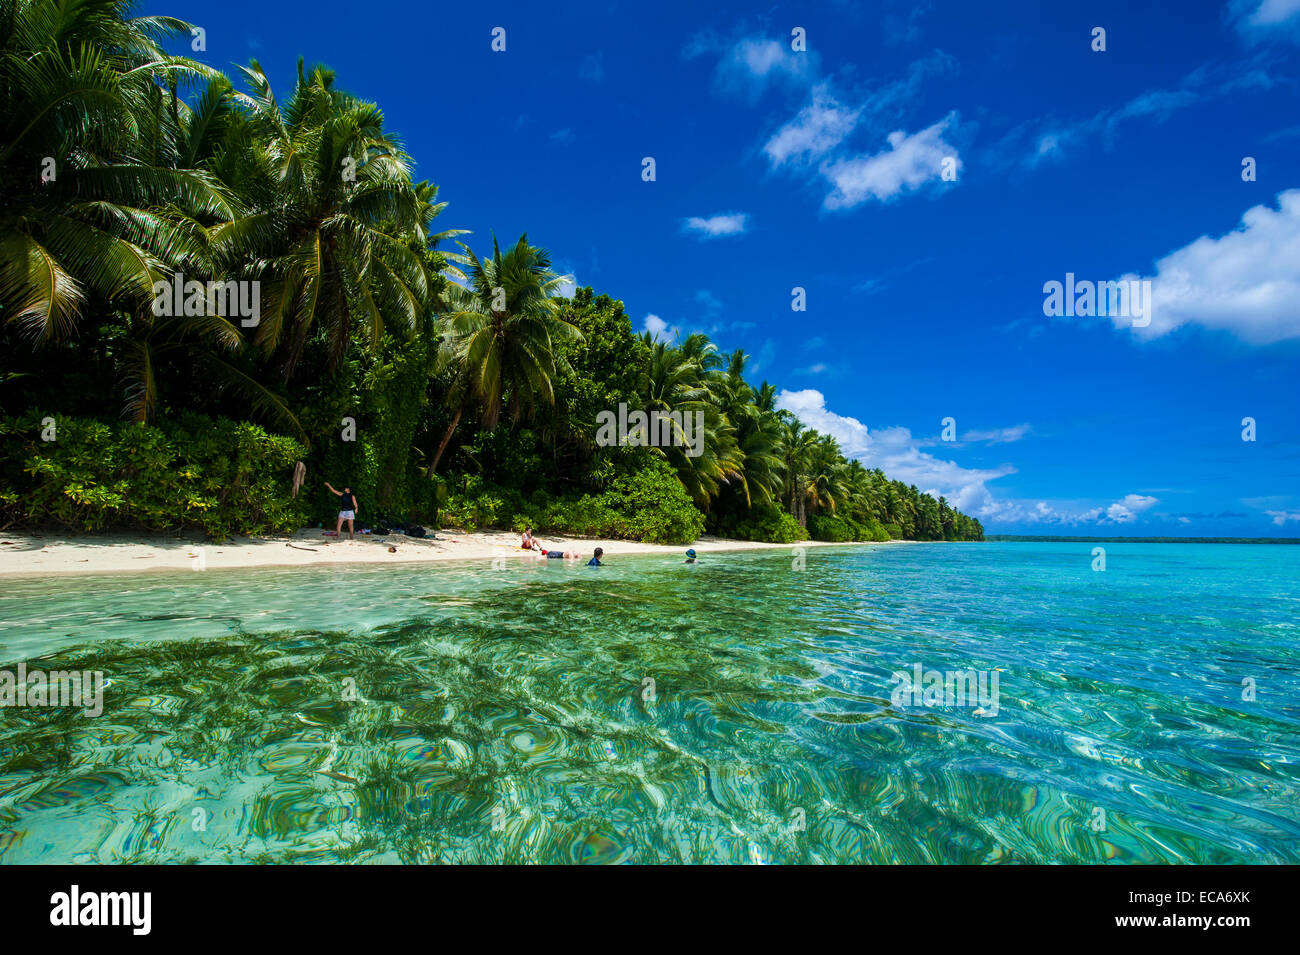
347, 515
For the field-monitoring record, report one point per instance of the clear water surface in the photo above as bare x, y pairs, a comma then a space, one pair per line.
459, 713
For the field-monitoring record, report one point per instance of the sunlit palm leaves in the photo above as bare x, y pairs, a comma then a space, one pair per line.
679, 379
500, 332
334, 222
88, 209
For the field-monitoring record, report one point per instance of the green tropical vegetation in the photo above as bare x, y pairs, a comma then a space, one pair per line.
445, 388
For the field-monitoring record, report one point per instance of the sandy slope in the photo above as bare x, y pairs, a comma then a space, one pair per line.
36, 554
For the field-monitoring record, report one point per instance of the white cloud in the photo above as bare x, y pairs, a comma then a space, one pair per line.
1281, 517
1053, 140
998, 435
1270, 12
748, 66
809, 406
900, 456
909, 163
759, 57
1123, 511
1073, 514
1246, 282
1126, 511
987, 436
1158, 103
895, 452
1256, 19
818, 128
658, 328
727, 223
756, 61
1049, 146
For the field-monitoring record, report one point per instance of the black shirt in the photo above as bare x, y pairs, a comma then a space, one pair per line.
347, 502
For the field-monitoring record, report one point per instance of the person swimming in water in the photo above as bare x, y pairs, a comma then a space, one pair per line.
557, 554
690, 556
595, 561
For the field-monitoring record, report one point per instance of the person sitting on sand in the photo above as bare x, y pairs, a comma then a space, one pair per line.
347, 508
595, 561
529, 542
690, 556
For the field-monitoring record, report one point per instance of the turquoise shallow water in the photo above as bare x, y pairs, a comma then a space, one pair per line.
465, 714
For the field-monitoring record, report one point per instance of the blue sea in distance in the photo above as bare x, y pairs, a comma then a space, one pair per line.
740, 710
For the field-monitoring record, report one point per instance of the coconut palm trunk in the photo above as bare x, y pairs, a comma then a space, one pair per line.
446, 439
500, 333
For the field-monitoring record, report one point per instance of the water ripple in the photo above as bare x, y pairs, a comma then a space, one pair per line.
743, 714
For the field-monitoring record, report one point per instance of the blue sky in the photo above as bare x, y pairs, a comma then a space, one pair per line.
823, 169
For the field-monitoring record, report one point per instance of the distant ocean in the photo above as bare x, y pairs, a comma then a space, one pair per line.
946, 703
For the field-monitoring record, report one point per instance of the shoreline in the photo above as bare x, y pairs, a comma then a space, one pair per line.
45, 555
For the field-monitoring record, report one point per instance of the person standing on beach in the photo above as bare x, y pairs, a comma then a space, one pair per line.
347, 507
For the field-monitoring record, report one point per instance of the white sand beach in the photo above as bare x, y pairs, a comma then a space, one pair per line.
47, 554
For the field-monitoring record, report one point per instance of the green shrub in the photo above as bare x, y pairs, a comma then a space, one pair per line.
473, 503
762, 522
838, 528
220, 476
647, 505
828, 527
654, 505
872, 530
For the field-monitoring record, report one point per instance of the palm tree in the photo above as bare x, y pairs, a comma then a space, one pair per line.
335, 224
892, 504
799, 444
671, 379
909, 496
862, 494
500, 334
84, 162
946, 515
758, 434
681, 379
824, 486
103, 196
